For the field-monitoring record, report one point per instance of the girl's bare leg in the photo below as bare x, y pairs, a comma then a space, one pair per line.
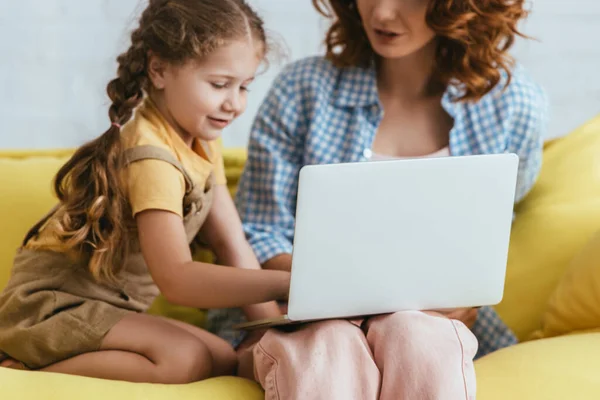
145, 348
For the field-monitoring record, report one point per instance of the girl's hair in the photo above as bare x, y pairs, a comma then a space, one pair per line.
89, 185
473, 39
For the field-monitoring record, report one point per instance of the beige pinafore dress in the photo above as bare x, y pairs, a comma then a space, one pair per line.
52, 308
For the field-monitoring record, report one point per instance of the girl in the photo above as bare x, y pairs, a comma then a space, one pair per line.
131, 202
401, 78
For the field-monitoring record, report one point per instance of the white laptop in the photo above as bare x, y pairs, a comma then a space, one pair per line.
417, 234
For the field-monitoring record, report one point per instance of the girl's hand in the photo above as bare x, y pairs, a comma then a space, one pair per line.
223, 232
185, 282
284, 288
283, 307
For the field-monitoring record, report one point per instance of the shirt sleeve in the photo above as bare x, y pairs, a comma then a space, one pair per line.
527, 124
155, 184
266, 196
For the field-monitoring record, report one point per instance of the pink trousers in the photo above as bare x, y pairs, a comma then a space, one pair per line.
402, 356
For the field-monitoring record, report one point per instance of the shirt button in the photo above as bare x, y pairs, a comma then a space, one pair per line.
367, 153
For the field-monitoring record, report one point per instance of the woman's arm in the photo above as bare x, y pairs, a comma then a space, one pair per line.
526, 123
267, 190
186, 282
224, 234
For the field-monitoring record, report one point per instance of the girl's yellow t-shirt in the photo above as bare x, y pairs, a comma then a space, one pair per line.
154, 184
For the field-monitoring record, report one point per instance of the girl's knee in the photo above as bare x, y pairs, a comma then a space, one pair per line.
190, 361
225, 361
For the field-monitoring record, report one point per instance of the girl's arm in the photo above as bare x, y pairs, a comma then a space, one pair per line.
224, 234
186, 282
281, 262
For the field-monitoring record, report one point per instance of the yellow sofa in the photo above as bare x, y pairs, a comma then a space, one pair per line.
553, 223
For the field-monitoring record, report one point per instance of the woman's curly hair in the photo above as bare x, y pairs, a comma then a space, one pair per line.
474, 37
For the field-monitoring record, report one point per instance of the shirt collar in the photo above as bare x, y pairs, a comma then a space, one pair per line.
357, 87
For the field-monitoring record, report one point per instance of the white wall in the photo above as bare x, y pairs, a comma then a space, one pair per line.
58, 55
565, 59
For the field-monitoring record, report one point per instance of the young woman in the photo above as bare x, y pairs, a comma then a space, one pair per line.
401, 78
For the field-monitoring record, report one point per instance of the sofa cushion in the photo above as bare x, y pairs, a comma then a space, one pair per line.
551, 369
575, 304
42, 385
26, 195
554, 222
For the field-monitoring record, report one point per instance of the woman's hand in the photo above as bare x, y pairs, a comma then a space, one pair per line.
467, 316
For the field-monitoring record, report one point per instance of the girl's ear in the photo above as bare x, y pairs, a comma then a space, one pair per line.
156, 71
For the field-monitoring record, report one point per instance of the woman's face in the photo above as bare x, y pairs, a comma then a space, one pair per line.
395, 28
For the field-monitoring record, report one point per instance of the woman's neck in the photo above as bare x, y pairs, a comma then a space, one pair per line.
410, 77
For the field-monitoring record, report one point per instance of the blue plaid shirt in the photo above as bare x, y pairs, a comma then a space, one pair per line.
316, 113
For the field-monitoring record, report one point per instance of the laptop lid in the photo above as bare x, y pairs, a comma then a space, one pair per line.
414, 234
